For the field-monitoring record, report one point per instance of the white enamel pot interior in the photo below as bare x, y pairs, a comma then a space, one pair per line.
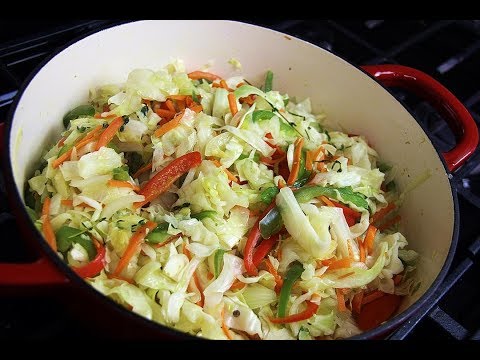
352, 100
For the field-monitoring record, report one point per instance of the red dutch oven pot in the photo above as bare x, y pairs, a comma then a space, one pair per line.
352, 97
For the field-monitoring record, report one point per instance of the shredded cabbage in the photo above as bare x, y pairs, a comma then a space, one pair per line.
189, 269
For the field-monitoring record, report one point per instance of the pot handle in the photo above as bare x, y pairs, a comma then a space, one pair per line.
39, 272
457, 116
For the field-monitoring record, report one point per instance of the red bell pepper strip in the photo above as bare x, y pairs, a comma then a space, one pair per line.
351, 215
264, 248
375, 312
167, 176
94, 267
252, 241
304, 315
47, 225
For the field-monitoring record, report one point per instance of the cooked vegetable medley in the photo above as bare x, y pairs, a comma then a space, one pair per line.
223, 210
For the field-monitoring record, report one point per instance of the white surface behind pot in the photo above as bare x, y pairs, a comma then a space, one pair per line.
350, 99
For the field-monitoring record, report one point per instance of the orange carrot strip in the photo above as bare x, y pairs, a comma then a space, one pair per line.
382, 213
118, 277
165, 114
249, 100
308, 161
216, 85
240, 84
225, 328
327, 201
357, 302
389, 223
296, 161
374, 295
83, 142
361, 248
122, 184
180, 105
67, 202
224, 85
369, 238
47, 225
316, 154
340, 300
230, 176
327, 262
197, 75
269, 161
133, 245
169, 125
196, 107
321, 167
232, 102
108, 134
64, 157
170, 106
237, 285
178, 97
339, 264
142, 170
278, 279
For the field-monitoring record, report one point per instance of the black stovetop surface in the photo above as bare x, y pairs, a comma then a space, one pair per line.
447, 50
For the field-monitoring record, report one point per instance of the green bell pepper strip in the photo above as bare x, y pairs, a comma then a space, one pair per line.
218, 262
64, 149
82, 110
269, 194
272, 221
159, 234
259, 115
121, 173
268, 81
345, 194
293, 274
31, 213
204, 214
67, 236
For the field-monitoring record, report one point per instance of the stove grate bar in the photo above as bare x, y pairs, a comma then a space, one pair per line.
449, 324
451, 280
396, 50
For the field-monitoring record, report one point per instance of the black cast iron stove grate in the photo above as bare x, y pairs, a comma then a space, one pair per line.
447, 50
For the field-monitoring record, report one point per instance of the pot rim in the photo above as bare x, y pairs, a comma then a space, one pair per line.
16, 200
